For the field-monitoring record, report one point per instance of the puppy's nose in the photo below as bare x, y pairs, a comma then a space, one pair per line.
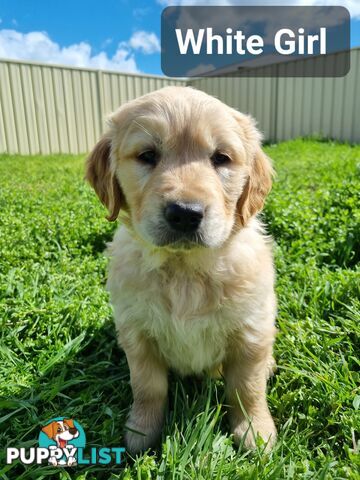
184, 217
73, 431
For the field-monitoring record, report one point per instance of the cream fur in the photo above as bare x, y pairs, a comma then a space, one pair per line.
189, 307
191, 303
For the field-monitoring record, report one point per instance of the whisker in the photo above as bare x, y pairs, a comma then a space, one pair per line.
144, 129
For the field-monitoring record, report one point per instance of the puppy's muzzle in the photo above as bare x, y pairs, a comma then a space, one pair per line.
184, 217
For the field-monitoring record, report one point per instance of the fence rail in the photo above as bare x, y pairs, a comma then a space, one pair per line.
51, 109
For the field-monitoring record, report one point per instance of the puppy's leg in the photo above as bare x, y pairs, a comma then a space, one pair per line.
148, 376
270, 367
246, 371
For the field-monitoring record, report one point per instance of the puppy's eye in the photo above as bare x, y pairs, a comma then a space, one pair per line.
150, 157
218, 159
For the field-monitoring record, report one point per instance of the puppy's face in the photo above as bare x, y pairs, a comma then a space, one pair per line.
186, 167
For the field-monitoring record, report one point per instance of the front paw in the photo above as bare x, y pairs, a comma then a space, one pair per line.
270, 367
144, 431
53, 461
246, 433
71, 461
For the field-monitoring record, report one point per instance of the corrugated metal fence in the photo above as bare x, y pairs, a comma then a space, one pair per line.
51, 109
289, 107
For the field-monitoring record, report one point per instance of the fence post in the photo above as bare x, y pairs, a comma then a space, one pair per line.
274, 106
100, 95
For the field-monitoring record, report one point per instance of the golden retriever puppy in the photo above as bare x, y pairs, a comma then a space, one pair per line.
191, 274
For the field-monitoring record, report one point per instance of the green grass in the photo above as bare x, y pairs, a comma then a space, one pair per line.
58, 353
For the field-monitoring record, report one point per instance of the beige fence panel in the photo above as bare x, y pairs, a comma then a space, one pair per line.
254, 96
119, 88
329, 107
289, 107
51, 109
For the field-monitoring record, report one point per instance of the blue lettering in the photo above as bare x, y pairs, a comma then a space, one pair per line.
104, 456
118, 451
80, 459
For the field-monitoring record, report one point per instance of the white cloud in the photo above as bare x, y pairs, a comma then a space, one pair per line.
145, 42
352, 5
38, 46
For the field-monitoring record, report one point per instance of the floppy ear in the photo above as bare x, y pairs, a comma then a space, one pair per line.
257, 187
69, 422
103, 180
49, 430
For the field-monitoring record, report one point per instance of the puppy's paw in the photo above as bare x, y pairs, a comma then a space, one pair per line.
53, 461
262, 426
270, 367
142, 433
71, 461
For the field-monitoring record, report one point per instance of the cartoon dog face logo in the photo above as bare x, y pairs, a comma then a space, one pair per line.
61, 431
62, 437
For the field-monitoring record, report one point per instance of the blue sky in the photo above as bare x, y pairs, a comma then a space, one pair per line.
111, 34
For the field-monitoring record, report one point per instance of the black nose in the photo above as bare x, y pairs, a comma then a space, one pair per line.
73, 431
184, 217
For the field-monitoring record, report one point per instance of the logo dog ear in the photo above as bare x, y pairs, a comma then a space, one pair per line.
101, 177
69, 422
49, 430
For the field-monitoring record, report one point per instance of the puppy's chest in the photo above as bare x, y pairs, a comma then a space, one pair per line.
193, 332
187, 316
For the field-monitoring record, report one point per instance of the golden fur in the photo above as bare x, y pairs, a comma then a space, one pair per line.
189, 305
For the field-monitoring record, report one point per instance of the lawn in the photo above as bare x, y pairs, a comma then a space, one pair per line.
58, 353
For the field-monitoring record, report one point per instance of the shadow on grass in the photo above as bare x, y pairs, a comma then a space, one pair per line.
98, 241
92, 386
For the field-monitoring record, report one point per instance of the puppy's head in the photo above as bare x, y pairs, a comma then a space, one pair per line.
188, 169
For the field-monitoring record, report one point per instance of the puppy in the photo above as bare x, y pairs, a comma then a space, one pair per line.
191, 275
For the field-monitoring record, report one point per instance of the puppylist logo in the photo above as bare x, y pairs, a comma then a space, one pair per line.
62, 443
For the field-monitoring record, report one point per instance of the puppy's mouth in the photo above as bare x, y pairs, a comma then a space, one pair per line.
178, 241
